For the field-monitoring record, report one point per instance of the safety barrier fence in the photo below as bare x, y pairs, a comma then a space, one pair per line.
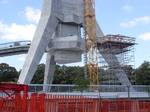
17, 98
64, 103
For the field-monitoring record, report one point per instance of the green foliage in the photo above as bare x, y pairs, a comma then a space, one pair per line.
39, 75
67, 75
62, 75
8, 73
143, 74
73, 75
82, 83
130, 73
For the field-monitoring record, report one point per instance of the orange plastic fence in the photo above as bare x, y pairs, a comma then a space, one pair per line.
14, 98
58, 103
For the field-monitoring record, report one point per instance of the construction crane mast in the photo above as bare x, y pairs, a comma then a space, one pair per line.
90, 42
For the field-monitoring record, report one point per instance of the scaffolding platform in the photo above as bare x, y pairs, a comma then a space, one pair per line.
116, 43
120, 46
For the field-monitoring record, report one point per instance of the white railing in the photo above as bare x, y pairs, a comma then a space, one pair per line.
10, 45
100, 88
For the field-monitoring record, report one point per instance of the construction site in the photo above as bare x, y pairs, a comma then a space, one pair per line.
68, 32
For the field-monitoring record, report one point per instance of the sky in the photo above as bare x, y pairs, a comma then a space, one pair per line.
19, 18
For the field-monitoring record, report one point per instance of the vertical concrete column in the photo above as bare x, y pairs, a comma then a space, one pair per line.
49, 70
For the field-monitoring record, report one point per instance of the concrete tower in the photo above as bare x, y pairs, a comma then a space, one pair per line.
59, 33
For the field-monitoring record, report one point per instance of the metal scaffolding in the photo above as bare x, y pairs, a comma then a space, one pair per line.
123, 48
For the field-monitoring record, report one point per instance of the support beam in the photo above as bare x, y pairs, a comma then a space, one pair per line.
50, 67
43, 34
119, 73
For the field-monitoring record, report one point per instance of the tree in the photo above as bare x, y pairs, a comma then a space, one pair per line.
67, 75
82, 83
143, 74
8, 73
62, 75
38, 77
130, 73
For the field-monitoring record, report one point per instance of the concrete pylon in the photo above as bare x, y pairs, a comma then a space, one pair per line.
59, 33
49, 68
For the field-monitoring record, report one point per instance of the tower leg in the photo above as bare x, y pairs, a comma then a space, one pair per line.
49, 71
112, 61
43, 34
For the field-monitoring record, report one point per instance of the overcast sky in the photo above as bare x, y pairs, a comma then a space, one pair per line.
19, 18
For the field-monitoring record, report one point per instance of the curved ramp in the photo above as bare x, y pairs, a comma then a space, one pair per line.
14, 48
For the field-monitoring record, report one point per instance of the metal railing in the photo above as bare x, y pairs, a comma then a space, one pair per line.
10, 45
105, 90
